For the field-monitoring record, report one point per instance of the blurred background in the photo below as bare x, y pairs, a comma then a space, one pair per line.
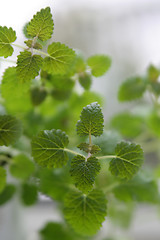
127, 31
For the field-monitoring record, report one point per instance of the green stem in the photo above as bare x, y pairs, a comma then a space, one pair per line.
7, 60
19, 46
108, 156
73, 152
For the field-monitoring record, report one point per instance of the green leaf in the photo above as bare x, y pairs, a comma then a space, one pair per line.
89, 149
7, 193
153, 123
29, 194
55, 230
59, 60
91, 121
10, 130
128, 160
28, 65
32, 44
41, 26
48, 148
132, 89
99, 64
38, 95
21, 166
19, 101
153, 73
127, 124
7, 36
85, 80
2, 179
138, 189
83, 172
54, 184
85, 213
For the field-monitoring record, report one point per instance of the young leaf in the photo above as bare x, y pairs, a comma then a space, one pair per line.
29, 194
30, 44
21, 167
7, 193
85, 213
85, 80
28, 65
55, 230
48, 148
91, 121
132, 89
7, 36
84, 172
2, 179
128, 160
19, 101
99, 64
59, 60
89, 149
41, 26
10, 130
153, 73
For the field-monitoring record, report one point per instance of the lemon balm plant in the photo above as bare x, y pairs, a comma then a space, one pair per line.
54, 140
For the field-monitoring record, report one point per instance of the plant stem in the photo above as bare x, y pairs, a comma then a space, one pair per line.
73, 152
108, 156
19, 46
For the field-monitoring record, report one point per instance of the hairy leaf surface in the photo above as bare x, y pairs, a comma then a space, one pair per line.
41, 26
85, 213
91, 121
59, 60
28, 65
7, 36
84, 172
48, 148
128, 160
10, 130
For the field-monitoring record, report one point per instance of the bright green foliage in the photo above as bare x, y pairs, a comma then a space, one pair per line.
7, 193
54, 184
2, 179
29, 194
7, 36
41, 26
139, 190
14, 92
10, 130
28, 66
89, 149
99, 64
132, 89
31, 44
83, 172
85, 81
54, 230
127, 124
91, 121
153, 73
60, 57
85, 213
48, 148
153, 123
38, 95
21, 166
128, 160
